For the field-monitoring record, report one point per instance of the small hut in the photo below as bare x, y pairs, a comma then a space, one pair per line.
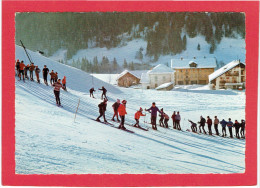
127, 79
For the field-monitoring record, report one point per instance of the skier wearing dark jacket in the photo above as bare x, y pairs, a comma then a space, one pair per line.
104, 92
91, 92
193, 126
102, 109
115, 108
209, 122
37, 71
202, 124
57, 85
45, 72
173, 120
161, 118
242, 131
166, 119
237, 127
230, 126
153, 110
17, 65
26, 71
223, 124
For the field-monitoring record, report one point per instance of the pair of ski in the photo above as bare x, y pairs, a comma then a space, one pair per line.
139, 127
112, 125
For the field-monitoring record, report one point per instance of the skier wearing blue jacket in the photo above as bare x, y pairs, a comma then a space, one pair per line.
223, 124
153, 110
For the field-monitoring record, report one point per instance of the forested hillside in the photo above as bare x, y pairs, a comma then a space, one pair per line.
165, 32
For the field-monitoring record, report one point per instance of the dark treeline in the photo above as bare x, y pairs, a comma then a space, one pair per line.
165, 32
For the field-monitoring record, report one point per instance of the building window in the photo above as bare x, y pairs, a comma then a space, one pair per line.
164, 78
156, 78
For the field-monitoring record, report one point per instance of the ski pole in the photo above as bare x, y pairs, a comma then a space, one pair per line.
76, 111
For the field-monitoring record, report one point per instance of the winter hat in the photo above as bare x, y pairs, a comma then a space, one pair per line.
141, 109
124, 101
118, 100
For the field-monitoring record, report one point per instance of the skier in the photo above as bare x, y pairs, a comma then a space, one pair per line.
237, 127
104, 92
26, 71
115, 108
161, 118
137, 117
64, 81
102, 109
153, 109
209, 122
193, 126
21, 70
17, 65
52, 77
122, 112
31, 69
91, 92
37, 71
45, 72
202, 124
173, 120
56, 76
166, 119
177, 121
223, 124
216, 122
57, 85
242, 130
230, 125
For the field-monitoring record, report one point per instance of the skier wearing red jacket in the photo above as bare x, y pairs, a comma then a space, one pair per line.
122, 112
137, 117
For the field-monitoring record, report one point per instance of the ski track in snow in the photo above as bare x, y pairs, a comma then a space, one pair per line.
48, 141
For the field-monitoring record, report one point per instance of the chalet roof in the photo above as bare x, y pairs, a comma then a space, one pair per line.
201, 63
125, 72
224, 69
160, 69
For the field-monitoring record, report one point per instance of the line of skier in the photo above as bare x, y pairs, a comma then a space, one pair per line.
239, 127
120, 111
22, 71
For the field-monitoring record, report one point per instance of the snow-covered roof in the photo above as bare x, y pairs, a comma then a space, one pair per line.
145, 78
164, 85
124, 73
201, 63
160, 69
224, 69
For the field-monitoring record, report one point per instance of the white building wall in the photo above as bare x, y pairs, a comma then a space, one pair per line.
159, 79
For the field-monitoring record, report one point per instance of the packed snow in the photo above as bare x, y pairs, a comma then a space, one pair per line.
48, 141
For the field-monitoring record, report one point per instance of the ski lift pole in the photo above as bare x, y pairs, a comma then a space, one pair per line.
26, 52
76, 111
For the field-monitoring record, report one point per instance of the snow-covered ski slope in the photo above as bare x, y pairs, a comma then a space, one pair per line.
49, 142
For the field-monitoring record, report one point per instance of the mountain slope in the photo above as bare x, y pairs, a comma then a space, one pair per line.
49, 142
